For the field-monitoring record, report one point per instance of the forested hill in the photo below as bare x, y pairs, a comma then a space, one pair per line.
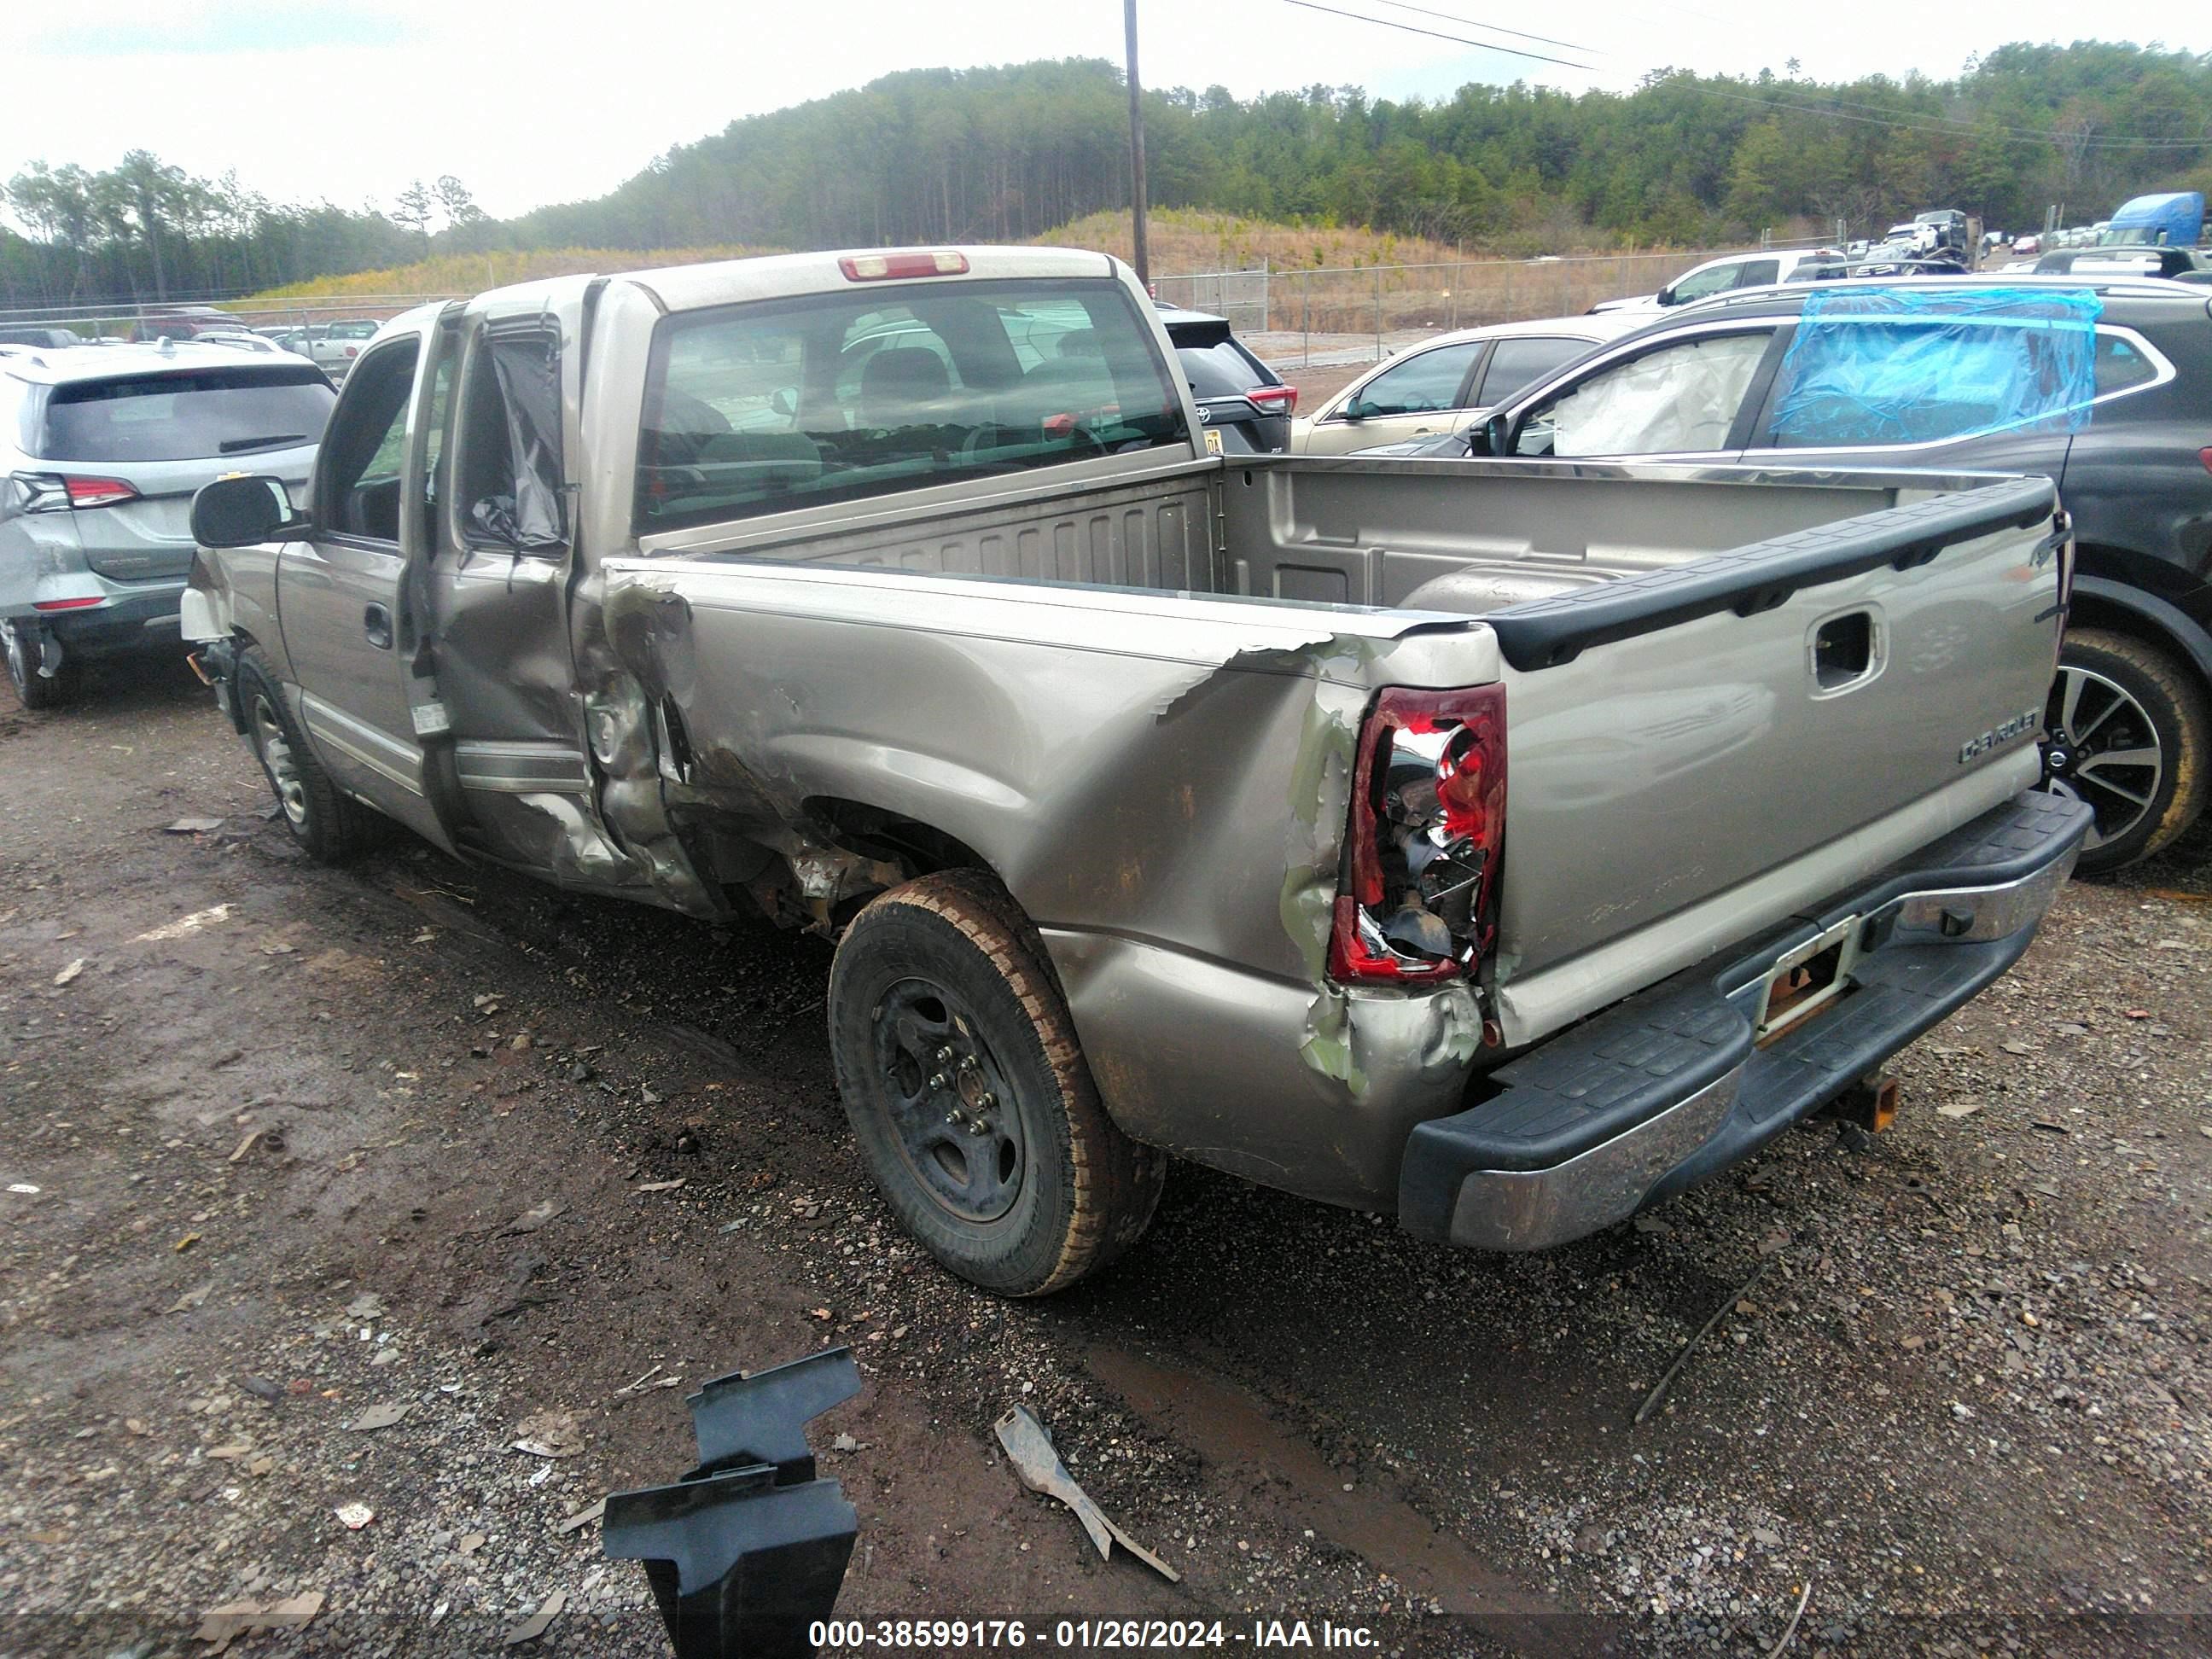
1010, 153
939, 154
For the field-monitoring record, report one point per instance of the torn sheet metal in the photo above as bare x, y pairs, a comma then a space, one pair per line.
1030, 1449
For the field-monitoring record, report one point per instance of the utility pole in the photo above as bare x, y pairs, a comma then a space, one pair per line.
1143, 261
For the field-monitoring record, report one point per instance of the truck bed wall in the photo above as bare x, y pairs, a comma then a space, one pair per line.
1354, 532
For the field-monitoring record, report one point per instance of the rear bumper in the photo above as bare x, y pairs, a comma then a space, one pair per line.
134, 617
1668, 1087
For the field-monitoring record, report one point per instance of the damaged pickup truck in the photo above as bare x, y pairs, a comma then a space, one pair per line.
1505, 846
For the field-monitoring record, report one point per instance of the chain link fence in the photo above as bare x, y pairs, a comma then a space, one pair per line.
1359, 313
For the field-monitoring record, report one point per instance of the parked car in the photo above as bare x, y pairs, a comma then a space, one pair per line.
178, 323
1156, 799
101, 449
1733, 271
1238, 396
332, 347
2131, 259
50, 339
2027, 245
2126, 726
1443, 384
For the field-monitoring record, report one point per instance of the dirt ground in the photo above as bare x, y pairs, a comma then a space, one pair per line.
286, 1144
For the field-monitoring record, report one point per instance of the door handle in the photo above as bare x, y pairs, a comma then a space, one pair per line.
376, 623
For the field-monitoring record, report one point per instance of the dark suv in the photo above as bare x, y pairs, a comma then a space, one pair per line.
2129, 724
1239, 397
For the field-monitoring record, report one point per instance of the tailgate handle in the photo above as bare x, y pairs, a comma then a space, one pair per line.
1844, 650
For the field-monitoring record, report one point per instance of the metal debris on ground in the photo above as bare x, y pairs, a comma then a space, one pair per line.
1651, 1402
1029, 1448
536, 1216
184, 925
1791, 1629
256, 1138
549, 1433
224, 1625
582, 1518
381, 1416
539, 1622
749, 1547
193, 827
24, 1188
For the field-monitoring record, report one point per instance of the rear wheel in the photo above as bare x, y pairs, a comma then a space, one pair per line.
2126, 730
959, 1070
24, 649
330, 824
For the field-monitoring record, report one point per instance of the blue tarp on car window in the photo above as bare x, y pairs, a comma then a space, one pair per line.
1899, 366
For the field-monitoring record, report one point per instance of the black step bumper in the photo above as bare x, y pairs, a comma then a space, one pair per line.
1670, 1086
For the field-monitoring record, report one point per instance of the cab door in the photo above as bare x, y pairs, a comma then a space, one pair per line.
341, 601
496, 588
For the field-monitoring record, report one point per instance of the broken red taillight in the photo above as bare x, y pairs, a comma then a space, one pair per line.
1418, 899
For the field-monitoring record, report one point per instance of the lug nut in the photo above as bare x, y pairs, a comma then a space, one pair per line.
954, 1117
944, 1056
976, 1126
937, 1079
987, 1100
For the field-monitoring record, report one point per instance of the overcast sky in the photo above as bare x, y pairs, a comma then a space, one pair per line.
538, 101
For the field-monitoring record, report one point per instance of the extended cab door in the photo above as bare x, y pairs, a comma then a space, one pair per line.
495, 586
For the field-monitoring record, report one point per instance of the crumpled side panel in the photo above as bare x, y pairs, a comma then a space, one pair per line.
1893, 366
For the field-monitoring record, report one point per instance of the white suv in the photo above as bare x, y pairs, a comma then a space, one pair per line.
1736, 270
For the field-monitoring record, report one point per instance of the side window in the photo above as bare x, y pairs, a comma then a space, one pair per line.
1425, 381
1517, 364
2121, 364
1704, 284
357, 493
507, 467
1859, 383
1675, 399
1758, 273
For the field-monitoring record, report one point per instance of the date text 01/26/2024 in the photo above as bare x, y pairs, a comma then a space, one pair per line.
1084, 1635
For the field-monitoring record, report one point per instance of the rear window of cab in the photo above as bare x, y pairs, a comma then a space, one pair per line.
776, 406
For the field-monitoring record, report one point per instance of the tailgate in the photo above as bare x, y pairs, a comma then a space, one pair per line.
1675, 734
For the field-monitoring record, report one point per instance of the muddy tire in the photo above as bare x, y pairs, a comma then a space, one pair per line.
33, 690
327, 822
2126, 730
959, 1070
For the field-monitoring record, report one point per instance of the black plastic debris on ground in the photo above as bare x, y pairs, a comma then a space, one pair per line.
749, 1549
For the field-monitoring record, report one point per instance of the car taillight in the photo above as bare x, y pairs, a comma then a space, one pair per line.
876, 267
353, 351
97, 492
1417, 900
85, 603
2205, 456
1275, 400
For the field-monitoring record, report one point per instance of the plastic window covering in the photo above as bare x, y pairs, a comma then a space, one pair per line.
1680, 398
526, 363
1872, 366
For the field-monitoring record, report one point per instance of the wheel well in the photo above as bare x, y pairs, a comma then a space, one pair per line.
922, 849
2097, 610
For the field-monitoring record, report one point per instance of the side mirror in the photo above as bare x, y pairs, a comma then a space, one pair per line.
784, 401
1665, 296
1356, 410
1498, 435
245, 511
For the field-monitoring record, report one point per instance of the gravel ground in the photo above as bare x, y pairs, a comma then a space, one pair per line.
308, 1143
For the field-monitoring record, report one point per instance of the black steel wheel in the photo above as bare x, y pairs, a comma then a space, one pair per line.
959, 1069
2125, 733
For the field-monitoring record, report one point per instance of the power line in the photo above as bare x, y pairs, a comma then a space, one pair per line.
1460, 39
1494, 29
